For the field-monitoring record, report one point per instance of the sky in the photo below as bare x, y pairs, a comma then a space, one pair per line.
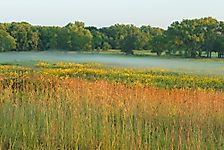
102, 13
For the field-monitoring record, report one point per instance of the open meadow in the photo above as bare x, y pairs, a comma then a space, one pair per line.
77, 105
111, 75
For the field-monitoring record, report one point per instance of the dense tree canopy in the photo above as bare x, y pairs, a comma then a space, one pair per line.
79, 37
193, 37
48, 37
26, 37
7, 42
133, 40
187, 38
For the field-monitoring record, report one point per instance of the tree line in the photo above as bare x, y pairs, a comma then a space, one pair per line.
188, 38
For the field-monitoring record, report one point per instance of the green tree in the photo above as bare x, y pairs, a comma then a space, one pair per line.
80, 37
7, 42
64, 39
98, 38
186, 37
49, 37
175, 39
218, 46
106, 46
26, 38
4, 26
159, 44
150, 33
210, 28
193, 37
133, 39
115, 34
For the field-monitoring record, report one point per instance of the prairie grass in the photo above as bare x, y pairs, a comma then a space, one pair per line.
45, 112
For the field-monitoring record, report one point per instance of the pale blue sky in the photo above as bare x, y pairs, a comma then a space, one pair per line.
100, 13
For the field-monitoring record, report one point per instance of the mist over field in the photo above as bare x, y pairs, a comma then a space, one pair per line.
200, 66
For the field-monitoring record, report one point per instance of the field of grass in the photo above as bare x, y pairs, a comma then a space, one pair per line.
91, 106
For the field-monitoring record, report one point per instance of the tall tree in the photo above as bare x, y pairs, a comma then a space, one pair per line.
64, 39
133, 39
49, 37
218, 46
80, 38
26, 38
99, 39
159, 44
150, 33
7, 42
186, 37
210, 28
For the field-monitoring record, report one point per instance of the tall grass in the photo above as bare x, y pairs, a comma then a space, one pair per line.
42, 112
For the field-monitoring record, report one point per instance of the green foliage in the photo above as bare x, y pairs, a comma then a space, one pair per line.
4, 26
133, 40
188, 38
26, 37
99, 39
63, 39
7, 42
80, 38
48, 37
158, 43
126, 37
150, 33
106, 46
115, 34
191, 37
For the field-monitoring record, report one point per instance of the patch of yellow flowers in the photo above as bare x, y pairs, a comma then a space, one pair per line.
153, 77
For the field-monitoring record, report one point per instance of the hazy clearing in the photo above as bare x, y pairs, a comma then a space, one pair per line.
197, 66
